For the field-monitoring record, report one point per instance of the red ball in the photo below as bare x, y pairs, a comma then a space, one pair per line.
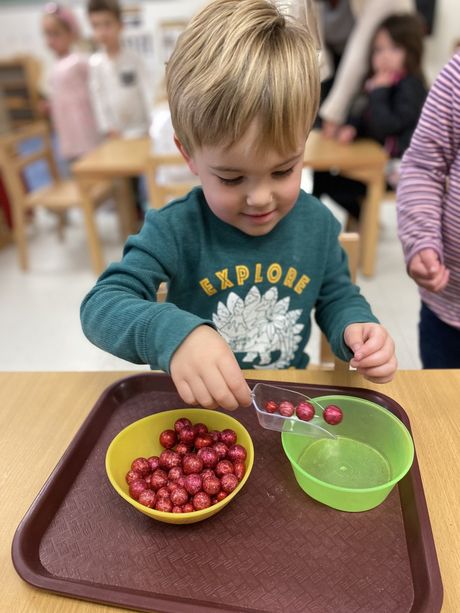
207, 472
211, 485
141, 466
164, 505
305, 411
188, 508
136, 488
203, 440
187, 435
215, 435
181, 422
208, 456
201, 501
240, 469
221, 495
221, 449
148, 479
229, 483
191, 463
179, 496
286, 408
169, 459
228, 437
171, 485
237, 453
200, 429
332, 414
224, 467
193, 484
132, 475
177, 510
271, 406
154, 462
174, 473
147, 498
158, 479
183, 448
168, 439
163, 492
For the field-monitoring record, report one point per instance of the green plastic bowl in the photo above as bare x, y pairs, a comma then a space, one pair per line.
356, 472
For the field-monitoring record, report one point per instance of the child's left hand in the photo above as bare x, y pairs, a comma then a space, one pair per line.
374, 351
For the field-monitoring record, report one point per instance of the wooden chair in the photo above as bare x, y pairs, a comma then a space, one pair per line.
57, 197
350, 243
161, 192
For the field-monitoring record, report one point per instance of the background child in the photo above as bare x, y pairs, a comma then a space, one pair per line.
247, 256
388, 108
120, 87
428, 214
70, 103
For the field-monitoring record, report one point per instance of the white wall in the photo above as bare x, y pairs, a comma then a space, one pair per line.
20, 28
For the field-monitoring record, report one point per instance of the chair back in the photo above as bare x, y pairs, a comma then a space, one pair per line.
14, 162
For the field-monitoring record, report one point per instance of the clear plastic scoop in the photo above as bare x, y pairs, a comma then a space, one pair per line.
315, 428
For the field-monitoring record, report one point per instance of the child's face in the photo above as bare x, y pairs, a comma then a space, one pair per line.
386, 55
58, 38
251, 192
106, 29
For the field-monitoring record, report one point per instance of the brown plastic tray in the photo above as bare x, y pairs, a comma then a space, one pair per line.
273, 549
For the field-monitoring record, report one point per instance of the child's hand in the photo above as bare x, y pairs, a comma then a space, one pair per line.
383, 78
329, 129
427, 271
374, 351
205, 372
346, 134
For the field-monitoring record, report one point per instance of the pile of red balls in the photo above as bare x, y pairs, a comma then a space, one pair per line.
305, 411
197, 469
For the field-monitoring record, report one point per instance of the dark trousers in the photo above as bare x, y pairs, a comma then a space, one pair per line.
439, 343
346, 192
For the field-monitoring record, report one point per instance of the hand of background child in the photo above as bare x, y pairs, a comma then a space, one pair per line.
205, 372
346, 134
382, 78
427, 271
374, 351
329, 129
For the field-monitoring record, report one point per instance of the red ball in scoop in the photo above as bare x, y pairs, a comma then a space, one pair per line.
229, 482
168, 438
286, 408
271, 406
305, 411
147, 498
201, 501
332, 414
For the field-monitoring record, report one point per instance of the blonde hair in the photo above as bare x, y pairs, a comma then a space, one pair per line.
239, 61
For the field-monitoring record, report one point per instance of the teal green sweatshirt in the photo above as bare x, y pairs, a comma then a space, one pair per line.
258, 292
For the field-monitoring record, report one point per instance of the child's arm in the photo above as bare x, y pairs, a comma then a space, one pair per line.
99, 98
425, 167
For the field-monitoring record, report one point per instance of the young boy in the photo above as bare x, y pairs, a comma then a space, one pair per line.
247, 256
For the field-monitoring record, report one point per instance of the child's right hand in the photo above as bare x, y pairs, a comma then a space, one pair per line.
427, 271
346, 134
205, 372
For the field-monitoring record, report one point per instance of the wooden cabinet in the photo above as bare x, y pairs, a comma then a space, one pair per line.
19, 77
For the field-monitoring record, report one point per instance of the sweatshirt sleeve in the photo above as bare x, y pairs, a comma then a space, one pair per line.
121, 314
426, 165
339, 302
98, 97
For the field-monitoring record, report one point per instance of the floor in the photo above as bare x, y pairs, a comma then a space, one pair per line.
39, 310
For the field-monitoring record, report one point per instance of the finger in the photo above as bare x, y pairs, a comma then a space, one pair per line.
219, 389
380, 374
443, 280
235, 380
374, 340
377, 358
202, 394
185, 392
354, 337
439, 279
430, 260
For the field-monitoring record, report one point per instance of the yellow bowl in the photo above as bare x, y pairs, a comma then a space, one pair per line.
141, 439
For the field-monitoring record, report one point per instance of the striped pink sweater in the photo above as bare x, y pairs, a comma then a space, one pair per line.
428, 211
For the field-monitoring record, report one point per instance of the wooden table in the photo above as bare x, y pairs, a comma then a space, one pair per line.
40, 413
115, 159
362, 160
